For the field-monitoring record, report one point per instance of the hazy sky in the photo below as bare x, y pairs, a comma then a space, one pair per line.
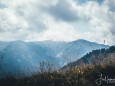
58, 20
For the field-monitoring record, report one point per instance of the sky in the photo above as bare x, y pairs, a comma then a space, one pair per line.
58, 20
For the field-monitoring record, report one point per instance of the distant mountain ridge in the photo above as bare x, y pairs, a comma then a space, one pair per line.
74, 50
24, 57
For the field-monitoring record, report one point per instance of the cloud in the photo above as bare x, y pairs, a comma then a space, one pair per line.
59, 20
2, 6
62, 10
96, 22
110, 4
21, 16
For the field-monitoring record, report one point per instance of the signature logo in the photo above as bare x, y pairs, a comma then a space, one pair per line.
105, 79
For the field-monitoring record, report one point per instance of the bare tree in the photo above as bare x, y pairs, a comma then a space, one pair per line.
46, 67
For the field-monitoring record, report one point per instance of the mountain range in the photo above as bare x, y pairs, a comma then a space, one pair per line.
23, 58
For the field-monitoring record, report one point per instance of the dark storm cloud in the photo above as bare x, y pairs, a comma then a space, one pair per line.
62, 11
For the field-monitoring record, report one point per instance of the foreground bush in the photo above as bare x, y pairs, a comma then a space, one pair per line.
83, 75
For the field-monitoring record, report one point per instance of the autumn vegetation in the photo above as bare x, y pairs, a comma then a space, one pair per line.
80, 75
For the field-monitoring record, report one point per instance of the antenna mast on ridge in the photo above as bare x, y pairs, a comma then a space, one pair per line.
104, 41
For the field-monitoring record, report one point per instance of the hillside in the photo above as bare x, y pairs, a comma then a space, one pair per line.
96, 57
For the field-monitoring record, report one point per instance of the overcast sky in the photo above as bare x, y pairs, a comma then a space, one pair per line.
57, 20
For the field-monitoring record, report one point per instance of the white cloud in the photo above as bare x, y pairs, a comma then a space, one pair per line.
27, 20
